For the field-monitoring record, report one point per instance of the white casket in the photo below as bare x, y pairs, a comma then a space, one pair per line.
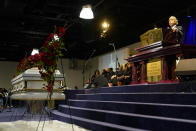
30, 86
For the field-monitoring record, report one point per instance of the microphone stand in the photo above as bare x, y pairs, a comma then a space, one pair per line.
84, 67
116, 59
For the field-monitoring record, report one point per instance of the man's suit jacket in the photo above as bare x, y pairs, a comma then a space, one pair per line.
179, 34
174, 37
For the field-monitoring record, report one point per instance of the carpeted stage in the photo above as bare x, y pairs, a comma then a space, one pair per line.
157, 107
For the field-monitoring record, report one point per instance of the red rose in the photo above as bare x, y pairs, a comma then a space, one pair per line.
51, 54
45, 60
56, 44
44, 74
51, 62
51, 48
40, 67
40, 72
30, 58
49, 88
36, 57
61, 31
45, 43
51, 36
41, 54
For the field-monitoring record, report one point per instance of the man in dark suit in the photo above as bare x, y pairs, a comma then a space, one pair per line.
174, 35
173, 23
100, 81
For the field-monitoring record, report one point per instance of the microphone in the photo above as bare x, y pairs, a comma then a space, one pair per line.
174, 26
168, 28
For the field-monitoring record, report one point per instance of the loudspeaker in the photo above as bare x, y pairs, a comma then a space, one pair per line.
186, 67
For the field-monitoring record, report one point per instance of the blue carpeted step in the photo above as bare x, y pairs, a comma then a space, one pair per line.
168, 98
156, 109
91, 124
171, 87
70, 94
130, 119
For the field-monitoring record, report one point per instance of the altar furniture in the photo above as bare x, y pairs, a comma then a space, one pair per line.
150, 65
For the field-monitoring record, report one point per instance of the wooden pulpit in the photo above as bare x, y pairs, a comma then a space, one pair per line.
150, 64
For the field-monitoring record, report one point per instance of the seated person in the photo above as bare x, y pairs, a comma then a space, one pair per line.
109, 74
104, 73
120, 75
96, 74
1, 99
98, 80
76, 87
127, 74
117, 79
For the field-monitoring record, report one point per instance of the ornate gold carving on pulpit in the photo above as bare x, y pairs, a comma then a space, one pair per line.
151, 36
154, 70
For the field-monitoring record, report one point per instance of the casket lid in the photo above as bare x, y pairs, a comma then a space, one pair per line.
33, 74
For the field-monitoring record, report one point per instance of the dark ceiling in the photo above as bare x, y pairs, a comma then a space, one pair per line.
25, 24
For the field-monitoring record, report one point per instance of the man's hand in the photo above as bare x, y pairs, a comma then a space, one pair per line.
113, 76
174, 29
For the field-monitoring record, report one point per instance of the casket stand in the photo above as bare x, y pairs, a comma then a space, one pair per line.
29, 87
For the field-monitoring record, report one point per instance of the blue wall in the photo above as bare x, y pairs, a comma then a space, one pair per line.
189, 30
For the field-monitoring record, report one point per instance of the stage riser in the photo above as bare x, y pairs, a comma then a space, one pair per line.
84, 124
186, 99
155, 110
180, 87
70, 94
152, 116
132, 121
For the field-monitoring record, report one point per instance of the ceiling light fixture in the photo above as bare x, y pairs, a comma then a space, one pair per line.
86, 12
105, 25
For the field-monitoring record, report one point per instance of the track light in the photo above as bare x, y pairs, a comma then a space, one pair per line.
105, 25
86, 12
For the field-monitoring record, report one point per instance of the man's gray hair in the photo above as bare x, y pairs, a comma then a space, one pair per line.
176, 20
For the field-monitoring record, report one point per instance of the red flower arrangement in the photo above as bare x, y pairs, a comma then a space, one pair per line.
47, 59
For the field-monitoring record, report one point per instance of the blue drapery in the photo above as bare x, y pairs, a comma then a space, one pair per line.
189, 31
